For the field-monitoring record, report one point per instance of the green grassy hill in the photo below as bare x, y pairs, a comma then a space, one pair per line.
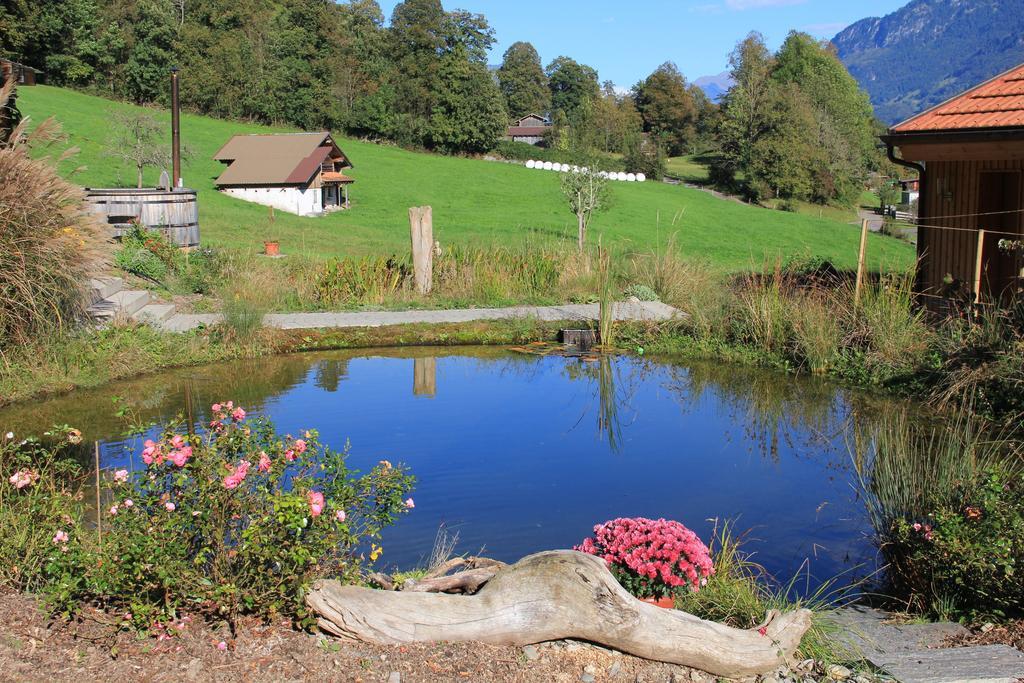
473, 200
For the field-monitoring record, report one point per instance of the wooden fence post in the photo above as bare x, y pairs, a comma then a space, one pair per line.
861, 262
421, 223
978, 263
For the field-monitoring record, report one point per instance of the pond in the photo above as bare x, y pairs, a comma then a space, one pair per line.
517, 453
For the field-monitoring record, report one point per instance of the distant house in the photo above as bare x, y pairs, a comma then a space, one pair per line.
529, 129
910, 190
300, 173
22, 75
969, 154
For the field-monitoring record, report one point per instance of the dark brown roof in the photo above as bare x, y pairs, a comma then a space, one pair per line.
285, 159
996, 103
527, 131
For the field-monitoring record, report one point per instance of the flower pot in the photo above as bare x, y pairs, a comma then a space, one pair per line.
271, 248
667, 602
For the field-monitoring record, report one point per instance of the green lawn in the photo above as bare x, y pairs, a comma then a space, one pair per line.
687, 169
473, 201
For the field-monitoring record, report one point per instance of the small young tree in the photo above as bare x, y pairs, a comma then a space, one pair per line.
140, 140
587, 192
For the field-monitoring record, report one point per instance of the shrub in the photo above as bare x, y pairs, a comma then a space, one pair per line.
147, 253
236, 520
926, 474
201, 271
651, 558
365, 280
967, 557
40, 512
243, 312
642, 292
49, 243
142, 262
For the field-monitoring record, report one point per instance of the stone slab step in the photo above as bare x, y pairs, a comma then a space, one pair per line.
154, 313
867, 631
126, 302
975, 664
105, 287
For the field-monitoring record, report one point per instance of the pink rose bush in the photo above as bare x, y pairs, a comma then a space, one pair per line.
40, 508
651, 557
236, 519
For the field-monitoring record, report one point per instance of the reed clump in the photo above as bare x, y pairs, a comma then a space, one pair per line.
49, 244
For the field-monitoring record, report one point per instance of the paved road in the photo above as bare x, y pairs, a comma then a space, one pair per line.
625, 311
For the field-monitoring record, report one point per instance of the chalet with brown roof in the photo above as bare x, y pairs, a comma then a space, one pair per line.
529, 129
969, 153
296, 172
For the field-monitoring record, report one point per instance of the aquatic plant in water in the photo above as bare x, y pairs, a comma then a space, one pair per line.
651, 558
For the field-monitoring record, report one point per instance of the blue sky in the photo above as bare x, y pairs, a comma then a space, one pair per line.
626, 40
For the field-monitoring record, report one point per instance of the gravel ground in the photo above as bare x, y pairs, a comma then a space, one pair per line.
33, 647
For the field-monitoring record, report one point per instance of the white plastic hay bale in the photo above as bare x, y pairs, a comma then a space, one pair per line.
621, 175
640, 177
531, 163
631, 177
575, 169
602, 174
585, 169
548, 165
565, 168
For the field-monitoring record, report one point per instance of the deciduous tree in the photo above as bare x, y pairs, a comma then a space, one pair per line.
523, 81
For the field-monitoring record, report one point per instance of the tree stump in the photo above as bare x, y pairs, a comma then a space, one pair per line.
555, 595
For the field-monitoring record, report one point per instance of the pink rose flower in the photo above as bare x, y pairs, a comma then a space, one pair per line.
113, 509
60, 537
170, 506
238, 476
216, 407
289, 455
238, 414
177, 441
340, 515
264, 463
180, 456
300, 446
121, 476
316, 503
222, 646
23, 478
409, 503
128, 503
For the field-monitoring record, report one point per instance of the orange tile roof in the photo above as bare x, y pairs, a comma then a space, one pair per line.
996, 103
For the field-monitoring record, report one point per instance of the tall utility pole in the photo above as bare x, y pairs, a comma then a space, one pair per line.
175, 131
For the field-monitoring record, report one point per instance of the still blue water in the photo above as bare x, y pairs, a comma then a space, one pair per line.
519, 453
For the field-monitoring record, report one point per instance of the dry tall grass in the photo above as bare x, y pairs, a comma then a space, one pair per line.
49, 243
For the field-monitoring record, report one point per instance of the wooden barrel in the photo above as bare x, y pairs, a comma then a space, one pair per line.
173, 212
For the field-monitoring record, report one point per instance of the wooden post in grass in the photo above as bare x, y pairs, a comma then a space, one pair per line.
99, 505
861, 262
979, 262
421, 222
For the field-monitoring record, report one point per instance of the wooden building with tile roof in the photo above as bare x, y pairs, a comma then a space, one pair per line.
969, 152
296, 172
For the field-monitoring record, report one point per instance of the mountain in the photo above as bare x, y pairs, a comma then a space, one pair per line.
931, 50
714, 86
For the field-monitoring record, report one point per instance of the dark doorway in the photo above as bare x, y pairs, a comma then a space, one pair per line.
999, 203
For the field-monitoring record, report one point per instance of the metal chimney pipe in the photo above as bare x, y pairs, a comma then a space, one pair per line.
175, 131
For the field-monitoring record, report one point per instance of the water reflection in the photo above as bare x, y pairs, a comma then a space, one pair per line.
520, 453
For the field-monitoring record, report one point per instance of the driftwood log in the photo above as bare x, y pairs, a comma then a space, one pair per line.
554, 595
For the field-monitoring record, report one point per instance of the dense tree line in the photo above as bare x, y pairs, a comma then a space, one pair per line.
794, 125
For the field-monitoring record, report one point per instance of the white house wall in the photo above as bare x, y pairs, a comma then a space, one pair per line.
302, 202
